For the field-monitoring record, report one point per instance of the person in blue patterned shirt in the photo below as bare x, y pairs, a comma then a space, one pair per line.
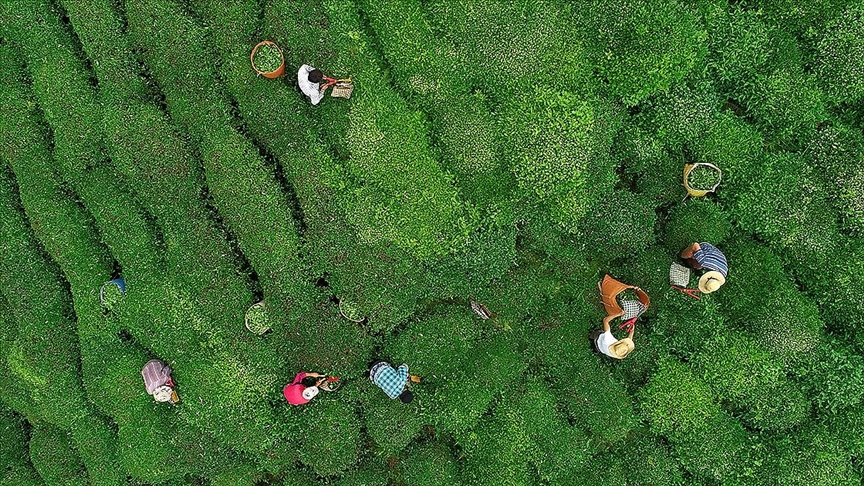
391, 381
706, 256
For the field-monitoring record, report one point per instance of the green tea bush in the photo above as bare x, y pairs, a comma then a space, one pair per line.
788, 104
55, 457
780, 408
716, 451
589, 396
641, 48
430, 463
680, 115
391, 424
782, 201
407, 199
698, 220
656, 465
676, 401
679, 405
155, 162
833, 375
654, 171
243, 188
505, 47
734, 146
841, 56
621, 224
556, 138
45, 344
739, 43
835, 288
498, 450
14, 454
837, 152
736, 368
750, 303
330, 441
558, 446
797, 462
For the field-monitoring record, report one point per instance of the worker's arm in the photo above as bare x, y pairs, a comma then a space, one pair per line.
313, 374
689, 251
632, 331
606, 321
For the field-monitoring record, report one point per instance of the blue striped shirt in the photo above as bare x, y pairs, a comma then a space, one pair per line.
709, 257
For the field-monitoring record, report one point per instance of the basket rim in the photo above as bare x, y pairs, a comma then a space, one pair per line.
255, 49
688, 168
346, 316
259, 304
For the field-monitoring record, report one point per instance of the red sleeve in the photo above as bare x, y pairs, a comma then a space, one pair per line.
298, 378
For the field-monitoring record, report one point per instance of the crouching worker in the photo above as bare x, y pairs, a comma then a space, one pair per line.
158, 382
629, 310
605, 342
392, 381
303, 388
314, 84
705, 256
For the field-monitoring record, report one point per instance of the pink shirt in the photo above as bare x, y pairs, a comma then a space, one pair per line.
294, 391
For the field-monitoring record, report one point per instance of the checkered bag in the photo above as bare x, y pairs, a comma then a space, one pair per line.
679, 275
632, 309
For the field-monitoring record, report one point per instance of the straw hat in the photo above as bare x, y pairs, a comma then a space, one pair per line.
711, 281
621, 348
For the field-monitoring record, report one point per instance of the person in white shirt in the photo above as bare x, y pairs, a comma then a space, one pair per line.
309, 80
606, 343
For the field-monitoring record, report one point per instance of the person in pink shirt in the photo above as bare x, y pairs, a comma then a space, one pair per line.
303, 388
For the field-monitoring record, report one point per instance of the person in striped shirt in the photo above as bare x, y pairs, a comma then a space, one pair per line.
705, 256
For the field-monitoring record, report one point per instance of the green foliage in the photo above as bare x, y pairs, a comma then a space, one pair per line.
429, 463
736, 368
641, 48
841, 56
55, 457
698, 220
676, 402
833, 375
329, 440
510, 151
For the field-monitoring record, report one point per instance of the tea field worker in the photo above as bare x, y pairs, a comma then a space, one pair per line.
708, 257
391, 381
303, 388
309, 80
605, 342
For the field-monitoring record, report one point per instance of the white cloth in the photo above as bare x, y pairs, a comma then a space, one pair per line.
310, 89
604, 341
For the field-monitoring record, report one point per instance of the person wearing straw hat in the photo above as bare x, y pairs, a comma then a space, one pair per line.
704, 256
303, 388
605, 342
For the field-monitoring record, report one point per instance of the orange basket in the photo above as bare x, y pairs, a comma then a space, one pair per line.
272, 74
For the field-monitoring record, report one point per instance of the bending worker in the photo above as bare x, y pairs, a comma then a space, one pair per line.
391, 381
309, 81
303, 388
708, 257
605, 342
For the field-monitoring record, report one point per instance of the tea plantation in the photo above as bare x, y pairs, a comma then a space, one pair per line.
510, 151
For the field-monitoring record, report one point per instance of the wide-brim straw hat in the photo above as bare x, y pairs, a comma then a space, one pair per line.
622, 348
711, 281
